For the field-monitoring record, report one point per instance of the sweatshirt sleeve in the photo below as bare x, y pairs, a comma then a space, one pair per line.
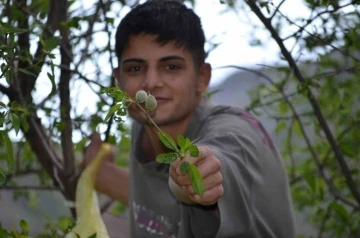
242, 153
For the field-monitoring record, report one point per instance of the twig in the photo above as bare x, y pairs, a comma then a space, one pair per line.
322, 40
332, 188
309, 21
290, 150
29, 187
89, 35
317, 111
276, 9
323, 222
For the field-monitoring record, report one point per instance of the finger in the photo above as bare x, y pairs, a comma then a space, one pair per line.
93, 148
173, 175
208, 167
210, 196
211, 166
209, 182
175, 166
204, 152
95, 142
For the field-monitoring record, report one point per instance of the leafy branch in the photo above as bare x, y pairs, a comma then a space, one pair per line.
314, 103
180, 150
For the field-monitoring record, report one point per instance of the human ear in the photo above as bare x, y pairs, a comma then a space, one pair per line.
116, 74
204, 77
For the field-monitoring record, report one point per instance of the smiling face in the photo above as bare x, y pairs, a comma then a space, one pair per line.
166, 72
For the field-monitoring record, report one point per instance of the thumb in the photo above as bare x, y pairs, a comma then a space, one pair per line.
92, 149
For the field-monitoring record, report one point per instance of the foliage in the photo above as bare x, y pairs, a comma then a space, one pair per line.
313, 96
48, 56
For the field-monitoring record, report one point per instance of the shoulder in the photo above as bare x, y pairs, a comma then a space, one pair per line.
230, 120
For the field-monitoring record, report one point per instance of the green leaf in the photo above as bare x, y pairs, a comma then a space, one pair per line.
297, 128
6, 30
197, 181
181, 142
184, 167
340, 210
51, 43
15, 120
2, 104
93, 235
280, 126
166, 158
53, 85
167, 141
24, 227
187, 144
309, 176
112, 110
193, 151
9, 151
27, 72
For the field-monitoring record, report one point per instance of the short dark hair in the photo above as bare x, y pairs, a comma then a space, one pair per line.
169, 20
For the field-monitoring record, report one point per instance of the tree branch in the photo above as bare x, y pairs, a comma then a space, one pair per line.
297, 117
88, 35
23, 173
317, 111
5, 90
29, 187
112, 83
277, 9
322, 40
64, 92
309, 21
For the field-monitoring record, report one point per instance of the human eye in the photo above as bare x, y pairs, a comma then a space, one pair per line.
133, 69
172, 67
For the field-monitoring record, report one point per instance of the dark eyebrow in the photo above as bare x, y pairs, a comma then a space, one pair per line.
136, 60
172, 57
166, 58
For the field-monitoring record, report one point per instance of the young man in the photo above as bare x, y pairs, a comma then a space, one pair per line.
160, 49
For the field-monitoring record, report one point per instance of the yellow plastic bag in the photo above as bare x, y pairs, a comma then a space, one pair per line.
89, 221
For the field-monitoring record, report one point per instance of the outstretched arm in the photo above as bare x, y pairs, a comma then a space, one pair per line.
111, 180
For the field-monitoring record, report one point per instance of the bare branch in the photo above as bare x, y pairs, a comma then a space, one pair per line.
89, 33
317, 111
29, 187
309, 21
322, 40
277, 9
9, 177
64, 92
83, 77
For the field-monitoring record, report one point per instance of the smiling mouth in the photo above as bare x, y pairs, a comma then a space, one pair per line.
161, 99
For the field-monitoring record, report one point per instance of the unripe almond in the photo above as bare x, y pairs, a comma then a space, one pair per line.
141, 96
150, 103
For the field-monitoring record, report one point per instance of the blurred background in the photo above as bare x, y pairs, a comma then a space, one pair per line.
294, 64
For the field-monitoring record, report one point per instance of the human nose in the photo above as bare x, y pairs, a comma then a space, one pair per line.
152, 80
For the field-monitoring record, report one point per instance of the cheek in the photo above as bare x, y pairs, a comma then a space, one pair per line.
129, 87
